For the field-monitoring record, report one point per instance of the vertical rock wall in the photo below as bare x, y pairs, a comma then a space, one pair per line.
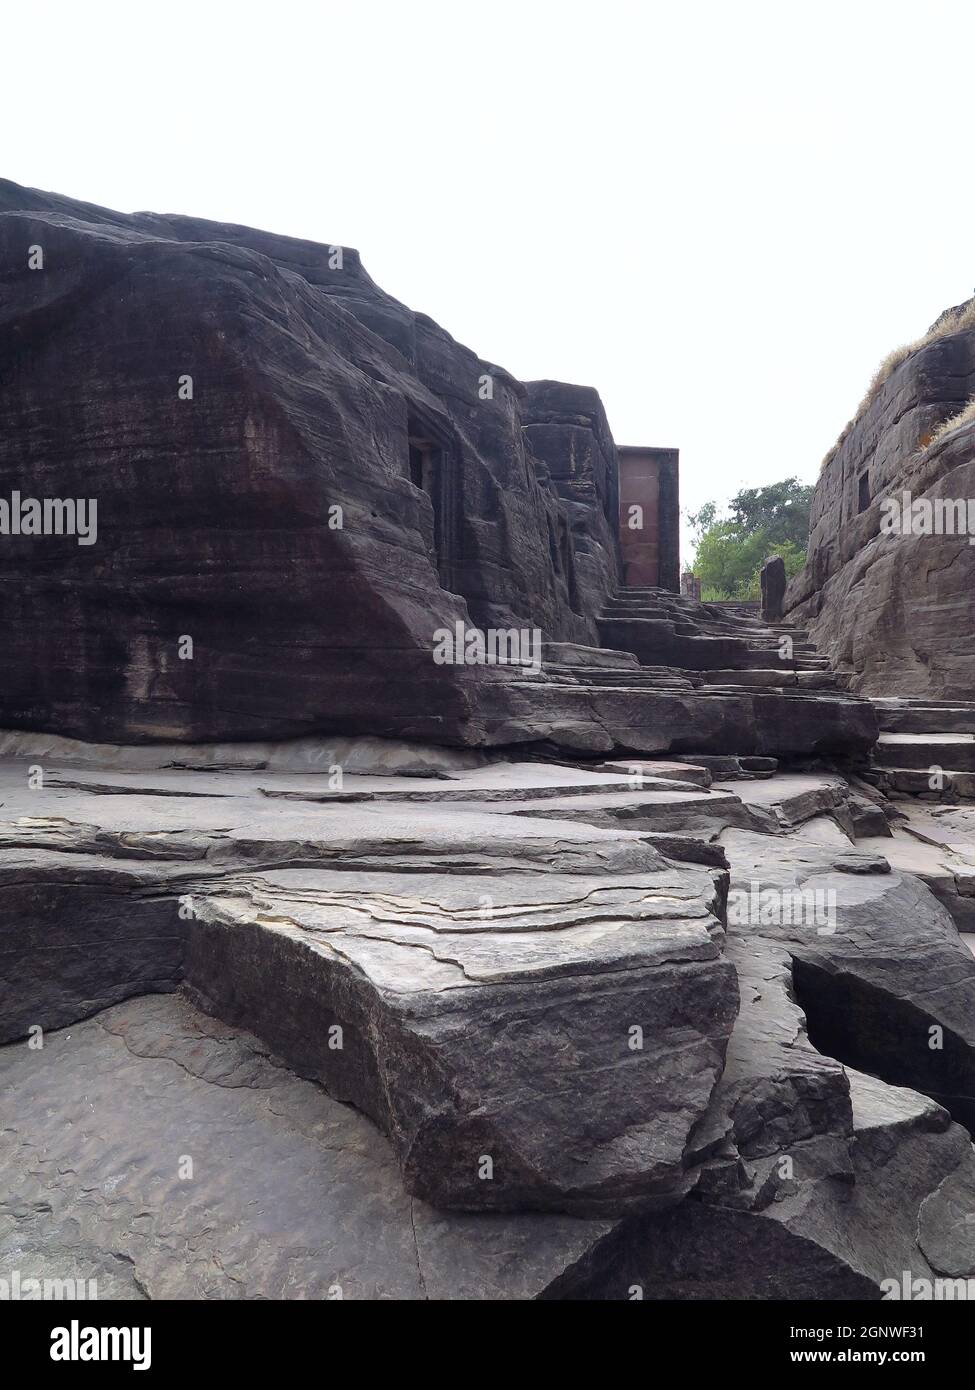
343, 480
892, 608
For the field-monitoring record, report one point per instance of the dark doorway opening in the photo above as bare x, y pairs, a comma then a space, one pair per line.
863, 494
421, 464
432, 468
567, 557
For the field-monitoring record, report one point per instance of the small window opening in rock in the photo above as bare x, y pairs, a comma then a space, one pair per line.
431, 469
420, 465
863, 501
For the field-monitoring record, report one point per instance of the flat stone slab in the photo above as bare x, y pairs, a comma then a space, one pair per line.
951, 751
950, 828
694, 809
161, 1154
643, 767
938, 845
486, 1022
485, 971
364, 756
498, 782
617, 720
790, 799
230, 817
772, 805
772, 677
572, 654
925, 717
725, 768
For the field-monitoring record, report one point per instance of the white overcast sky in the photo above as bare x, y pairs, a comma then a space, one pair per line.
722, 215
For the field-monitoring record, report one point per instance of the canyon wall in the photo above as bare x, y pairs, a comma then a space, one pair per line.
291, 469
890, 605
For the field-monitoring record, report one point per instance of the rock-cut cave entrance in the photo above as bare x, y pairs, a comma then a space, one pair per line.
433, 468
863, 491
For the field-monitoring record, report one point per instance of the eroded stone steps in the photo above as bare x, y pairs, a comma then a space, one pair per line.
933, 766
926, 751
920, 716
660, 627
657, 642
667, 678
935, 784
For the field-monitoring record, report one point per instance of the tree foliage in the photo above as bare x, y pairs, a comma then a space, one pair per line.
763, 521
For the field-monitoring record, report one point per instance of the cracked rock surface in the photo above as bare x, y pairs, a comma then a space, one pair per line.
486, 973
502, 1032
290, 1194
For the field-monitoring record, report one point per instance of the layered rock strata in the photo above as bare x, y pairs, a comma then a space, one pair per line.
586, 1048
886, 590
307, 510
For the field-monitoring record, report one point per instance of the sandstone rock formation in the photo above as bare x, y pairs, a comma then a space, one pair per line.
487, 941
299, 483
634, 965
892, 609
311, 390
773, 582
293, 1195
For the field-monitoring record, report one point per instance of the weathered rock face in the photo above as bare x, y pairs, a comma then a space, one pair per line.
548, 999
468, 979
813, 1180
311, 390
773, 588
855, 968
491, 1043
568, 438
294, 1195
894, 611
301, 486
487, 940
291, 1195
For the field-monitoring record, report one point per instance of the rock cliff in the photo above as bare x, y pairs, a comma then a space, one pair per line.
891, 605
290, 468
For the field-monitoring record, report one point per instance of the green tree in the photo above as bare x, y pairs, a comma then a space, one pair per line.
763, 521
781, 510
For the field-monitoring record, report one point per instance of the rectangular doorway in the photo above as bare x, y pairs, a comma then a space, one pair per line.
433, 468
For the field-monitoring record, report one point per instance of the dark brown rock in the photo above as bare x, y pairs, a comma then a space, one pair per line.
311, 389
773, 582
892, 612
342, 484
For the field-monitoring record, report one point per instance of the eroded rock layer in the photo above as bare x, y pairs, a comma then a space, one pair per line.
300, 498
887, 596
513, 1031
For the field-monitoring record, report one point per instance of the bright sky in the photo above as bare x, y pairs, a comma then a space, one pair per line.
722, 215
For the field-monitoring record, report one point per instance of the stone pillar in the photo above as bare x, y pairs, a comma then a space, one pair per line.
773, 588
650, 517
690, 586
